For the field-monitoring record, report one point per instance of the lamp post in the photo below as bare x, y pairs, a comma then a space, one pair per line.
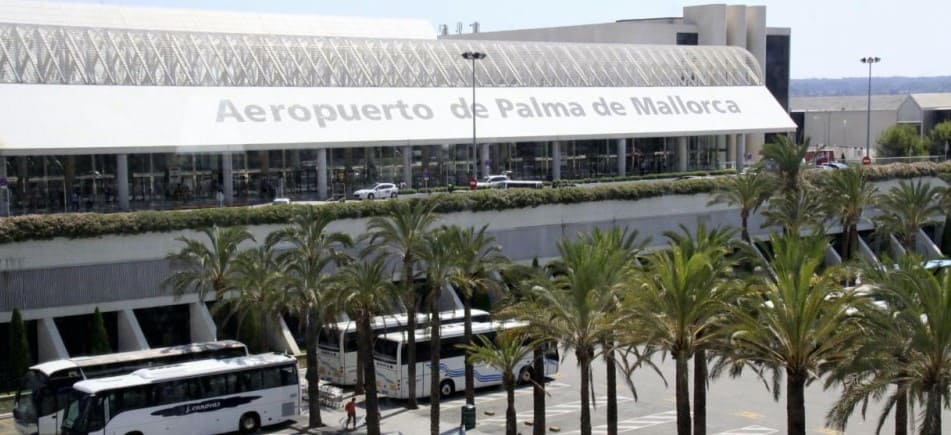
868, 113
474, 56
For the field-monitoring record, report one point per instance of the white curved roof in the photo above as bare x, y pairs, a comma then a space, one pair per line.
197, 20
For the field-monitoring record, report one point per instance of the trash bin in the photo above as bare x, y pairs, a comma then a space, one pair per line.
469, 416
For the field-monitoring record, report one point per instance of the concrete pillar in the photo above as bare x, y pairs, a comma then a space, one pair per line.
740, 152
756, 35
721, 151
556, 160
227, 177
621, 157
129, 332
322, 174
122, 181
682, 154
281, 339
407, 151
4, 190
731, 149
49, 343
201, 325
484, 160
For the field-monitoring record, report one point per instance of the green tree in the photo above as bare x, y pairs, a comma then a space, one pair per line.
939, 136
99, 338
907, 207
312, 250
504, 354
260, 280
799, 323
20, 357
787, 156
797, 210
207, 267
848, 192
402, 232
478, 257
901, 140
366, 290
748, 192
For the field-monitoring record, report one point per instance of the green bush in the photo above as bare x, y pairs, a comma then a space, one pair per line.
20, 358
99, 338
87, 225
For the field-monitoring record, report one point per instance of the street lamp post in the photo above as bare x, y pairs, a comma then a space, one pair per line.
868, 113
474, 56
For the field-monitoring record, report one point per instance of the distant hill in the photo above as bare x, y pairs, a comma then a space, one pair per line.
859, 86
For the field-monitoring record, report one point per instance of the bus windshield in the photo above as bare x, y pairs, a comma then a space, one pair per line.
25, 404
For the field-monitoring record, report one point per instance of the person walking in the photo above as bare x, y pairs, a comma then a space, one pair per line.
351, 409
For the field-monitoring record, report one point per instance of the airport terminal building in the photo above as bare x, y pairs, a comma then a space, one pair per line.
122, 108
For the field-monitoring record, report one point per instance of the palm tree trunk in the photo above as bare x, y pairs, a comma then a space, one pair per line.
467, 331
410, 294
745, 223
683, 394
511, 425
611, 369
700, 391
932, 423
901, 411
434, 377
369, 372
795, 404
852, 241
359, 387
313, 381
538, 390
584, 363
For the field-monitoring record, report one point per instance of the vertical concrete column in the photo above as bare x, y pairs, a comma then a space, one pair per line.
129, 332
740, 152
49, 343
682, 154
281, 339
621, 157
322, 174
227, 177
731, 149
122, 180
5, 190
484, 167
407, 151
556, 160
721, 151
201, 325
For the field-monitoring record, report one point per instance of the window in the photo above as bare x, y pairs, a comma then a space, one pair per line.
271, 377
687, 38
289, 375
215, 386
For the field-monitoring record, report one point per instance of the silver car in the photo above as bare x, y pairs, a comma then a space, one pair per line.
379, 190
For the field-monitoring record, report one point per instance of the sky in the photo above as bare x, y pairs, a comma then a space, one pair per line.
828, 36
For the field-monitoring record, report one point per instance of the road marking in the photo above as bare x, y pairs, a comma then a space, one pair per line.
556, 410
828, 431
749, 414
636, 423
750, 430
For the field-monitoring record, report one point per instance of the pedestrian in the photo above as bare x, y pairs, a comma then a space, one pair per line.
220, 196
351, 409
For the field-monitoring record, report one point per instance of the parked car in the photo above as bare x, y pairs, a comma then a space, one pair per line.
379, 190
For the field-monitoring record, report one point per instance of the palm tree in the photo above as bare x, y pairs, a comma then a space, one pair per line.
577, 307
260, 282
477, 256
799, 324
402, 231
313, 250
848, 192
207, 266
366, 289
680, 302
505, 354
906, 208
749, 192
440, 267
797, 210
788, 157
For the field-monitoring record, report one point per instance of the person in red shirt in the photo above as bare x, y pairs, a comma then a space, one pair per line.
351, 409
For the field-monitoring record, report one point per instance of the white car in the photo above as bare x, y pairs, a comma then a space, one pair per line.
379, 190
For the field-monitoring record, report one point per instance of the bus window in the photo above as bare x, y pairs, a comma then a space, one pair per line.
385, 350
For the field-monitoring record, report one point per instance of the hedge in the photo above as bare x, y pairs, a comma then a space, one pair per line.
87, 225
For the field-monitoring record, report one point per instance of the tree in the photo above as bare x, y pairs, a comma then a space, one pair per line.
680, 302
402, 232
261, 281
312, 250
797, 210
504, 354
477, 257
939, 137
799, 323
98, 338
366, 290
905, 208
20, 357
207, 267
901, 140
747, 191
787, 156
848, 192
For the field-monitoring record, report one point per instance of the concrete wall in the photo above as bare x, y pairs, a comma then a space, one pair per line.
840, 129
625, 32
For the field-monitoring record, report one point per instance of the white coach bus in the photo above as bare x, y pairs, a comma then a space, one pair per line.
45, 388
389, 354
337, 345
198, 397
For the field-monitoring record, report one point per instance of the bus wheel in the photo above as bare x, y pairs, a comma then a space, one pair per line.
134, 433
447, 388
525, 375
249, 423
